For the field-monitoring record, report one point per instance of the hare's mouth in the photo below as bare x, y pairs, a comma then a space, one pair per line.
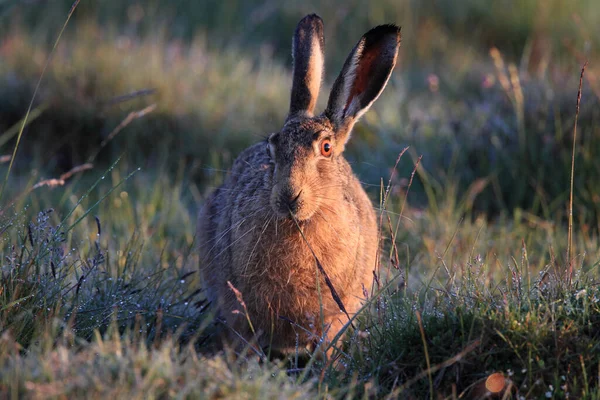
296, 211
299, 214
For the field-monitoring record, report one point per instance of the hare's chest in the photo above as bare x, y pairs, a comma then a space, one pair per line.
287, 258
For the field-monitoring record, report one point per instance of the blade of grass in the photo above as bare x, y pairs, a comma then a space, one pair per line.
334, 293
570, 232
86, 194
410, 182
13, 130
37, 86
342, 331
453, 360
14, 303
53, 182
424, 339
130, 117
85, 214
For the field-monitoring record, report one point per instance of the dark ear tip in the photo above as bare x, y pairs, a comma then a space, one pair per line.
383, 31
311, 21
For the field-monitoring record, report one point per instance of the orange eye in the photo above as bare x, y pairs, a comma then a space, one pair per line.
326, 148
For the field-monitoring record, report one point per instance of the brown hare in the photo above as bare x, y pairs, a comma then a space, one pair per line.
292, 199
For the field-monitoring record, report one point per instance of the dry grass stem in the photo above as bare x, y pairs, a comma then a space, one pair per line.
132, 116
570, 260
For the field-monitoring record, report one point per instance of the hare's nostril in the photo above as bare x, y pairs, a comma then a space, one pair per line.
290, 202
294, 199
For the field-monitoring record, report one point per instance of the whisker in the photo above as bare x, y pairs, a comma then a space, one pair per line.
320, 214
232, 243
325, 198
265, 225
328, 208
385, 211
232, 227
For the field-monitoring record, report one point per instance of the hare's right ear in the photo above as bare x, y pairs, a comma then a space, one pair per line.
307, 50
364, 75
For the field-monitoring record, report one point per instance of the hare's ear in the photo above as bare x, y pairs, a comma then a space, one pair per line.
307, 50
364, 75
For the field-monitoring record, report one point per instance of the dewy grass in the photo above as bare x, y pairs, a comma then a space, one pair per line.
122, 365
485, 306
86, 289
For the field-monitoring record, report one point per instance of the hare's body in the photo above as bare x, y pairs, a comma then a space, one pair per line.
292, 200
269, 262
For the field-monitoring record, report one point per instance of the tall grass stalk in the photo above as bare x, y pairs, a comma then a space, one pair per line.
37, 86
570, 260
427, 360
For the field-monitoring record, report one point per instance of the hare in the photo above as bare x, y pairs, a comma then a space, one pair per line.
292, 199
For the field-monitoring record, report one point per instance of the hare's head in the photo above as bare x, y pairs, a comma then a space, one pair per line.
307, 153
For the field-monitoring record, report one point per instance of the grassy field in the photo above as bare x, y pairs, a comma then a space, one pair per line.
145, 105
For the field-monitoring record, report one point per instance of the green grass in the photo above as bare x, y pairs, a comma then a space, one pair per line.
101, 296
123, 365
504, 306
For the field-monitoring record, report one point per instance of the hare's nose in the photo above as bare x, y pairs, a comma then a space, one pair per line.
290, 201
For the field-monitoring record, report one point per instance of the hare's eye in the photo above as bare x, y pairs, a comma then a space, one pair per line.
326, 148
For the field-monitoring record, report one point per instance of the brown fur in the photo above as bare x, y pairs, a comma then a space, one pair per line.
248, 238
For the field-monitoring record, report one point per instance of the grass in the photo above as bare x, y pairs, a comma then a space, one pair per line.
475, 289
123, 365
504, 307
100, 294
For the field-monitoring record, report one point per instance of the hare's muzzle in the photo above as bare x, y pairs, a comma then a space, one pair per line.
287, 202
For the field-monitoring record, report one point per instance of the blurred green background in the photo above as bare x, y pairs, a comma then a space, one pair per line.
495, 125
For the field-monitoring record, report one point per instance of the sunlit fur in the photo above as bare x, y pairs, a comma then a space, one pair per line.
260, 250
246, 232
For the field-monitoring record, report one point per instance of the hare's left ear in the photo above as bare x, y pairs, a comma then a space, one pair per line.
307, 50
364, 75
